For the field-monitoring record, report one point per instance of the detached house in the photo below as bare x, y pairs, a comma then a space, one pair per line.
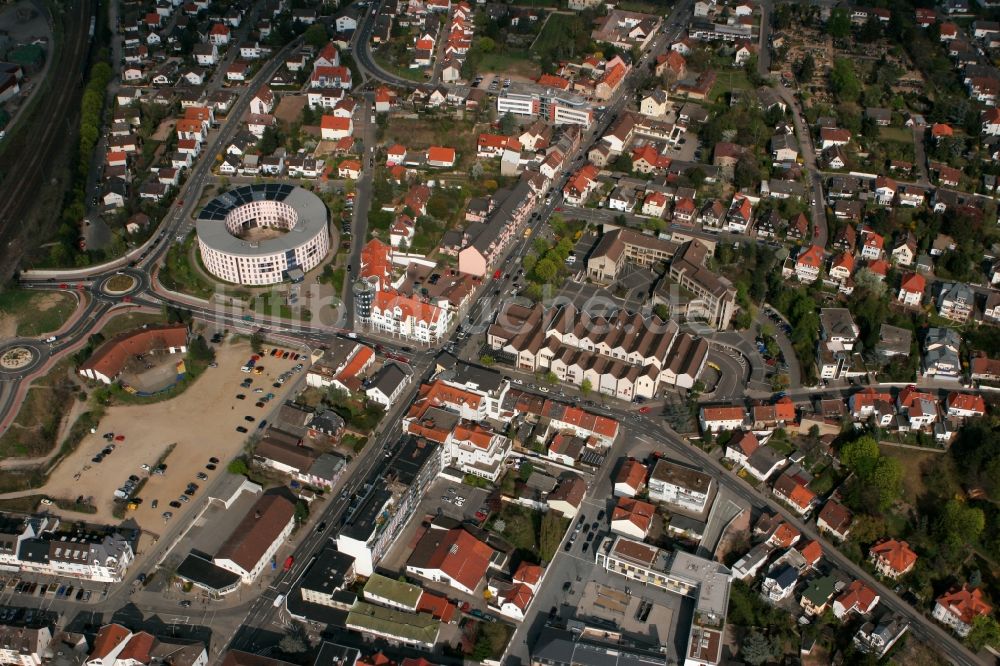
911, 290
958, 607
892, 558
808, 264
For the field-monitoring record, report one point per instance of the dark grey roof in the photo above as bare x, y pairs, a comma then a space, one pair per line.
326, 466
328, 571
200, 570
388, 378
332, 654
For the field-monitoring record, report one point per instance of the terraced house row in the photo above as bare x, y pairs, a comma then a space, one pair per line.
624, 355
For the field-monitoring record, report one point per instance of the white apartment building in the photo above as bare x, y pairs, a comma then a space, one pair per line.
680, 486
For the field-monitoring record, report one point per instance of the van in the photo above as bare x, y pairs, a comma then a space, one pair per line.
50, 339
279, 600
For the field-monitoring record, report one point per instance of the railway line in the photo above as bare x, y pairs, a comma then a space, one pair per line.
56, 118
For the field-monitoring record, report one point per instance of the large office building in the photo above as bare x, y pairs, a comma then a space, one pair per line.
707, 582
263, 234
559, 107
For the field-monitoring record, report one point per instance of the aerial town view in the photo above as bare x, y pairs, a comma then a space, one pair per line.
552, 332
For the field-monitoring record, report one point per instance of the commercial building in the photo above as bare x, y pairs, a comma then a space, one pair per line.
87, 552
417, 630
679, 573
23, 646
559, 107
454, 557
263, 234
387, 501
714, 299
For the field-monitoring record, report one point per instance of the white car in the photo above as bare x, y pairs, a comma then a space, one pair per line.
144, 467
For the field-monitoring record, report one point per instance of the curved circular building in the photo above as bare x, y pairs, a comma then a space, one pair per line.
263, 234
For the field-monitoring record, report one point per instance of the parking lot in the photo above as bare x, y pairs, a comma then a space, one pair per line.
183, 434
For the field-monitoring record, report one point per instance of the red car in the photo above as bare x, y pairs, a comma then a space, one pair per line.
119, 438
497, 274
289, 561
645, 410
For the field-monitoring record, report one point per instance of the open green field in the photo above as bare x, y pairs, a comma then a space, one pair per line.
127, 322
36, 312
733, 79
914, 462
516, 63
897, 134
559, 31
404, 72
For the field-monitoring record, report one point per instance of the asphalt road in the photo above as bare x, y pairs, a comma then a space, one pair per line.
362, 201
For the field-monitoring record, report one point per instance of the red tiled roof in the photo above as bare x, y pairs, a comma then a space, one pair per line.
897, 555
108, 638
109, 359
335, 123
965, 604
858, 596
441, 154
635, 511
966, 402
811, 256
457, 553
914, 282
632, 473
811, 551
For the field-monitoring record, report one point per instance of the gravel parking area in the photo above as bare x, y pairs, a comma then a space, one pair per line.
197, 423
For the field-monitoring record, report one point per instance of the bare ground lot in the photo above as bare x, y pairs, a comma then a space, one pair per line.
289, 109
197, 422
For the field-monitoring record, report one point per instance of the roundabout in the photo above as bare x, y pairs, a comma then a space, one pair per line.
122, 283
18, 358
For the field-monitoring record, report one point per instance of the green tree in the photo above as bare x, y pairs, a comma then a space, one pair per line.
238, 466
487, 360
860, 455
985, 631
546, 270
586, 387
757, 649
526, 470
507, 123
839, 24
315, 36
844, 81
256, 342
301, 512
806, 68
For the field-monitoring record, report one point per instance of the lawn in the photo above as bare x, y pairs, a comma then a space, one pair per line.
730, 79
419, 133
517, 63
37, 312
559, 31
896, 134
520, 527
404, 72
179, 274
127, 322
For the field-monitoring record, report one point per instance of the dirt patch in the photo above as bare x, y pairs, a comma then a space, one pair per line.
165, 129
290, 108
197, 422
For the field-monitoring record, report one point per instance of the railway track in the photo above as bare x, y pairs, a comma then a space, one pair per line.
56, 119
